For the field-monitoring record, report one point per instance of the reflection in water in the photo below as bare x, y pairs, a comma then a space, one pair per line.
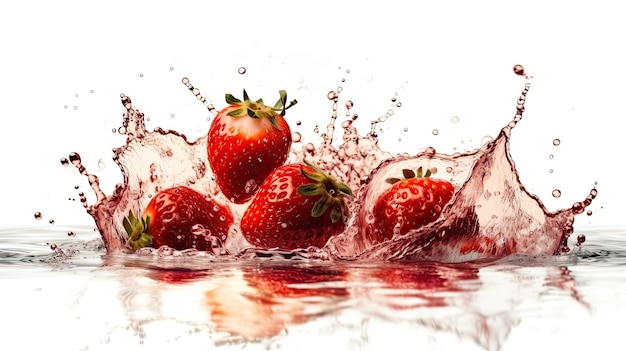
280, 303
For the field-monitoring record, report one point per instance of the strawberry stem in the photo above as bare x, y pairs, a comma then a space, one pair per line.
137, 230
330, 190
257, 109
409, 173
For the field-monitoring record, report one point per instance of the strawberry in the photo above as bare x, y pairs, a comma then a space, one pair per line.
246, 141
409, 203
296, 206
173, 217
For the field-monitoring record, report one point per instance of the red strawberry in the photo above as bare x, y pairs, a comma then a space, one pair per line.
246, 142
410, 203
296, 206
171, 217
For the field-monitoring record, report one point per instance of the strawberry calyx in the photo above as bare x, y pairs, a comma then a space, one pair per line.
330, 190
137, 230
409, 173
257, 109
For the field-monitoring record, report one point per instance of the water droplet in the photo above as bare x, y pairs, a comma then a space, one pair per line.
101, 164
65, 106
589, 213
316, 129
75, 158
51, 221
70, 233
347, 71
75, 107
76, 187
551, 157
486, 139
241, 70
551, 171
65, 162
455, 119
449, 169
38, 215
172, 115
296, 137
91, 91
349, 104
398, 104
580, 239
435, 132
393, 99
406, 129
53, 246
140, 75
113, 130
556, 193
298, 123
556, 142
519, 70
332, 95
171, 69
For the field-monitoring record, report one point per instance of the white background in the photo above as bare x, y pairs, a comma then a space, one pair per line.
443, 58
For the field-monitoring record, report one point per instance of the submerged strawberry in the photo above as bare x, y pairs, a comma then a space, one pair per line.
180, 218
410, 203
297, 206
246, 141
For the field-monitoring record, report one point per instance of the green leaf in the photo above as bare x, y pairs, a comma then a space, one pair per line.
335, 214
314, 176
252, 114
408, 173
127, 227
392, 180
281, 104
309, 189
345, 189
231, 100
320, 207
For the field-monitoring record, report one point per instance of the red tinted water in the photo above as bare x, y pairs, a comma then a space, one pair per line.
491, 214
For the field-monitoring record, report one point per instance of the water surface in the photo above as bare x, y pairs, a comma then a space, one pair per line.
79, 298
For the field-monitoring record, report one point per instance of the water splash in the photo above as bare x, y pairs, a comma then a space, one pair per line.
491, 214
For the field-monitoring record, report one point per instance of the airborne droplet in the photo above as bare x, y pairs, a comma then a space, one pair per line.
241, 70
38, 215
556, 193
519, 70
296, 137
